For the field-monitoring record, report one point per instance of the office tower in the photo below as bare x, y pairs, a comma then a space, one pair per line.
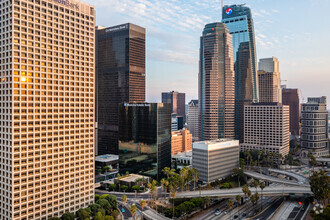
215, 159
192, 118
266, 127
239, 21
177, 101
269, 87
181, 141
144, 138
269, 80
174, 122
291, 97
271, 65
47, 108
216, 83
314, 127
120, 77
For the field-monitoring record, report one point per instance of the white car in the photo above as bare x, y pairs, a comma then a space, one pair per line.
217, 212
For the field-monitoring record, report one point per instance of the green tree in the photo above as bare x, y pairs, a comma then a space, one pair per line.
207, 201
104, 204
108, 217
320, 186
195, 174
95, 208
238, 199
68, 216
230, 205
239, 173
99, 216
245, 190
115, 213
242, 163
262, 186
256, 184
113, 187
173, 194
97, 197
123, 188
133, 210
143, 204
124, 199
82, 214
54, 218
312, 160
136, 188
112, 201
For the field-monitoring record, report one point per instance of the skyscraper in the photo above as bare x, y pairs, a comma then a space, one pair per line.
314, 127
120, 77
269, 81
192, 119
177, 101
144, 138
291, 97
239, 20
216, 83
47, 108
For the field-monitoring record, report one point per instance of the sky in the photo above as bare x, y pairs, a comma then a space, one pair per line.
297, 32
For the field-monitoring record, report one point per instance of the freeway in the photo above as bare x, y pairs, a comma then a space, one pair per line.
272, 179
229, 193
299, 178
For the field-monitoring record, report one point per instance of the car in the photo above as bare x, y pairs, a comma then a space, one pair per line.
244, 214
217, 212
225, 213
235, 216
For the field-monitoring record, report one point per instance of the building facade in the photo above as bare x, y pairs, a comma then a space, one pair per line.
314, 127
181, 141
266, 127
216, 83
177, 101
47, 108
269, 80
215, 159
192, 119
269, 87
120, 77
144, 138
239, 20
290, 97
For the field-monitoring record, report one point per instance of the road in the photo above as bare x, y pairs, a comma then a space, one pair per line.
298, 177
270, 210
272, 179
229, 193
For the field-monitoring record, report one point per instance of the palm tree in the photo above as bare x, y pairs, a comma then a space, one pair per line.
256, 184
195, 176
166, 171
166, 185
163, 183
124, 199
133, 209
245, 190
143, 204
262, 186
173, 194
238, 199
230, 205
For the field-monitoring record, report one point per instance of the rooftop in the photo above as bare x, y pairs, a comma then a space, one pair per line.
183, 155
106, 158
132, 178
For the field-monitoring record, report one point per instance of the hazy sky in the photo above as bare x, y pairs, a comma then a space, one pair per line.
297, 32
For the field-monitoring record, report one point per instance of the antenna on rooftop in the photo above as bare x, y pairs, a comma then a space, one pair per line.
221, 7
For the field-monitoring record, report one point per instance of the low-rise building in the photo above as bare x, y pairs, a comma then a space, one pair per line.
215, 159
181, 141
106, 167
181, 160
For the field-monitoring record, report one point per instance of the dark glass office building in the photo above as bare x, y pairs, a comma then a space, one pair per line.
120, 77
144, 138
177, 101
238, 19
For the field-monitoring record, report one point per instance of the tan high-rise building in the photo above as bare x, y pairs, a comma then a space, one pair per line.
267, 127
216, 83
269, 81
181, 141
46, 108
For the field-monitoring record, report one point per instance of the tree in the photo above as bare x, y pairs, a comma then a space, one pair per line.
112, 187
82, 214
162, 182
143, 204
133, 209
166, 186
54, 218
239, 173
262, 186
124, 188
97, 197
242, 163
254, 199
95, 208
99, 216
112, 201
68, 216
173, 194
195, 174
245, 190
108, 217
207, 201
115, 213
230, 205
256, 184
168, 172
104, 204
312, 160
238, 199
320, 186
124, 199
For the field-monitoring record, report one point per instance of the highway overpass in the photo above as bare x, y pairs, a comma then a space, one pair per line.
298, 177
230, 193
272, 179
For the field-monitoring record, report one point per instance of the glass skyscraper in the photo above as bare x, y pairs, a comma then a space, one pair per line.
238, 19
216, 83
144, 138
